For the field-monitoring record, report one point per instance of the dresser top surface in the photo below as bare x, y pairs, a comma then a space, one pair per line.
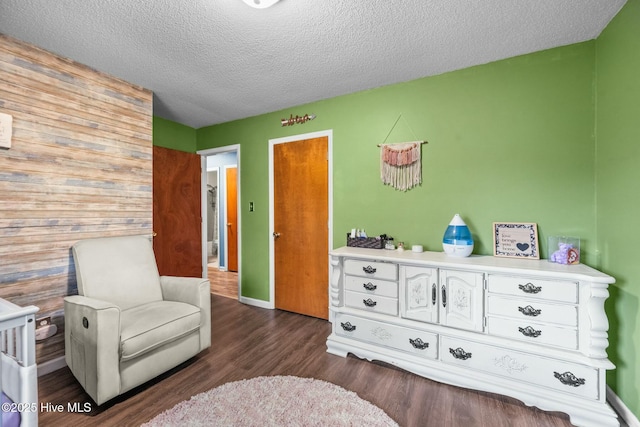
489, 264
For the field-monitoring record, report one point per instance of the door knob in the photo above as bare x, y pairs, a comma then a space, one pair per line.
276, 235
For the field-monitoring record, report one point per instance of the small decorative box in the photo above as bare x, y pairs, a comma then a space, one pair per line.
564, 250
365, 242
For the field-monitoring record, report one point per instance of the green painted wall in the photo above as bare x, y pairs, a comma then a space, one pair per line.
173, 135
618, 200
508, 141
514, 140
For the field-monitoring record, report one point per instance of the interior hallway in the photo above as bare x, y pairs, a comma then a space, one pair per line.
223, 283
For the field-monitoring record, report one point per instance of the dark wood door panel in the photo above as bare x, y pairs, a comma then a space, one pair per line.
177, 212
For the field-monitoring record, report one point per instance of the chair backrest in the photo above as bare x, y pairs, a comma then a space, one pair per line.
120, 270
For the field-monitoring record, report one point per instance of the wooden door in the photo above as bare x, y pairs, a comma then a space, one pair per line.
231, 177
301, 226
176, 212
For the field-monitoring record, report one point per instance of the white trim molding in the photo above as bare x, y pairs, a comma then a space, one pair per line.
50, 366
257, 302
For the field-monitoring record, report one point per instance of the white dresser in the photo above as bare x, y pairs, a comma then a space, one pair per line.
530, 329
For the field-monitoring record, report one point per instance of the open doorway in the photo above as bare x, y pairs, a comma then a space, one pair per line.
220, 214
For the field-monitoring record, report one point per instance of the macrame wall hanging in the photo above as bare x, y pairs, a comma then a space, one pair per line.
401, 163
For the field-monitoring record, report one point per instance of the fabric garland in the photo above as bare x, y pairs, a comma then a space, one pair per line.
401, 165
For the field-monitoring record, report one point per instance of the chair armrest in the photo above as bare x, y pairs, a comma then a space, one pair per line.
91, 303
184, 289
195, 291
92, 346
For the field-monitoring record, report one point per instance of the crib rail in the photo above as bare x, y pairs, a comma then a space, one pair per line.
18, 370
17, 332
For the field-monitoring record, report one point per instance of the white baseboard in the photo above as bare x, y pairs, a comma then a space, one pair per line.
257, 302
621, 409
51, 366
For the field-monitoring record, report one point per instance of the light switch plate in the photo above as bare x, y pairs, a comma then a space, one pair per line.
6, 126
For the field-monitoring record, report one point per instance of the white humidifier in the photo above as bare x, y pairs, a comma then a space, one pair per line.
457, 240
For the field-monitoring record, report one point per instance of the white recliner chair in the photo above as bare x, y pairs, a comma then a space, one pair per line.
128, 324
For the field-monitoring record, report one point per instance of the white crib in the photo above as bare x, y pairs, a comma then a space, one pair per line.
18, 371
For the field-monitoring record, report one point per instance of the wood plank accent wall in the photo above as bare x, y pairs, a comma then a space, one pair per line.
80, 166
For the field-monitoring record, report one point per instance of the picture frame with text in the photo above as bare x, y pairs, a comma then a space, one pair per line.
516, 240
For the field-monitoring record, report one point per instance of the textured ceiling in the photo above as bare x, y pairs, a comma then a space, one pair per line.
212, 61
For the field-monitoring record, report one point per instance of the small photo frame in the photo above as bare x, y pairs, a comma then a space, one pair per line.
516, 240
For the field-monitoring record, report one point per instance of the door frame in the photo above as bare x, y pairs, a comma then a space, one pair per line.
272, 142
205, 219
203, 159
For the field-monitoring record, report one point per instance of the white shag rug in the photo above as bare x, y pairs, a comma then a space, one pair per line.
274, 401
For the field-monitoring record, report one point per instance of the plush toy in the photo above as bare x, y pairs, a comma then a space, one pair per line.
561, 256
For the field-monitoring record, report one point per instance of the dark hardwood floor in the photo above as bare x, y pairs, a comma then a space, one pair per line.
248, 342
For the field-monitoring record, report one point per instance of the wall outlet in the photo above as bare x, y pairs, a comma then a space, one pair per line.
43, 321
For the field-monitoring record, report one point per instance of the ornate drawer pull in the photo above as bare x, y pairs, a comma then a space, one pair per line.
369, 270
529, 311
370, 286
529, 288
569, 379
434, 294
459, 353
444, 297
419, 344
348, 326
530, 332
369, 302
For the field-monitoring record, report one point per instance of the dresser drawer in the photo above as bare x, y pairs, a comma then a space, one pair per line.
375, 303
554, 374
525, 330
371, 286
407, 340
539, 311
371, 269
534, 288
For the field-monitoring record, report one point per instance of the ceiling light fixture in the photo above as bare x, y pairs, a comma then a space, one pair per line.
261, 4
